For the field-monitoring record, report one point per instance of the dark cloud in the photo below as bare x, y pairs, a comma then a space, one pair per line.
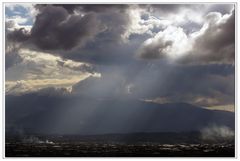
106, 52
69, 7
104, 7
14, 40
9, 25
55, 29
18, 35
116, 23
86, 7
112, 19
92, 37
107, 49
164, 9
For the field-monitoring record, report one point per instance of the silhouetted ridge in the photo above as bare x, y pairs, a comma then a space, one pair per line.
76, 115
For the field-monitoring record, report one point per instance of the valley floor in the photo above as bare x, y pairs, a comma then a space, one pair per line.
86, 149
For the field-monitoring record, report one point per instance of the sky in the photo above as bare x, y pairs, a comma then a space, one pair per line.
161, 53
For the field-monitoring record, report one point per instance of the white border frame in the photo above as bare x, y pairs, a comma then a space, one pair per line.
2, 67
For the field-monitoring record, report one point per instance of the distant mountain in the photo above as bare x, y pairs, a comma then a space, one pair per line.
32, 113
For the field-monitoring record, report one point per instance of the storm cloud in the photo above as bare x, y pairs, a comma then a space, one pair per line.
56, 29
77, 32
92, 31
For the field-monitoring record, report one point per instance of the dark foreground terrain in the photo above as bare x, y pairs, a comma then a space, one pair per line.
118, 145
117, 150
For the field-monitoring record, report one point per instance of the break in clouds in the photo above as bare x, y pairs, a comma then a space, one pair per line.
161, 53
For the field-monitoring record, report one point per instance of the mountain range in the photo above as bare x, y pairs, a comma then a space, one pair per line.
33, 113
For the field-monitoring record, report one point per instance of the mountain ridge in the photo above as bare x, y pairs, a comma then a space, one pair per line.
78, 115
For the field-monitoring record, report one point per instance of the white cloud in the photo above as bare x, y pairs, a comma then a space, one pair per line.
40, 70
17, 19
170, 43
31, 85
139, 25
16, 23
